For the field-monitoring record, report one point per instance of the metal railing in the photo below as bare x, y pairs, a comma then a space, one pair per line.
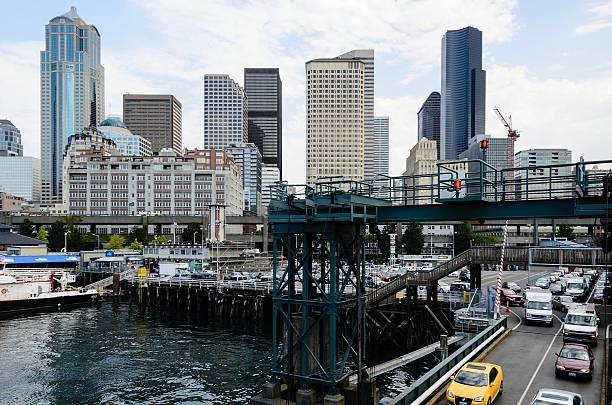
105, 282
439, 374
480, 181
246, 285
418, 277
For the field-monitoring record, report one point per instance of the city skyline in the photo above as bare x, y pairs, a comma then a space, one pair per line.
517, 54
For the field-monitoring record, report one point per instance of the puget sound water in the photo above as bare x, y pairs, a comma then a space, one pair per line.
116, 354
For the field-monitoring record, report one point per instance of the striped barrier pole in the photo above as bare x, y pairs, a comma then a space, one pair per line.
500, 272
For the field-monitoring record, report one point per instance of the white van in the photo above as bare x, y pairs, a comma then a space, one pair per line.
538, 306
577, 288
581, 325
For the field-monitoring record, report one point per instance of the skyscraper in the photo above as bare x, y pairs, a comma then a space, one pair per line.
71, 92
462, 112
10, 139
225, 112
367, 57
156, 117
248, 159
335, 119
380, 152
264, 91
429, 119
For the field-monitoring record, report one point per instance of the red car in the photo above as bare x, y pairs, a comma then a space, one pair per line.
575, 360
509, 296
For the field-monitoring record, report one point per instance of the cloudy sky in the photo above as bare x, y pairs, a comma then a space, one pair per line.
548, 62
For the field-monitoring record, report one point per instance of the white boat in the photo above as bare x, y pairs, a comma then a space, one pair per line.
26, 294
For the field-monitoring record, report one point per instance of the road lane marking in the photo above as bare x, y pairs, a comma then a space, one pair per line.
519, 318
537, 370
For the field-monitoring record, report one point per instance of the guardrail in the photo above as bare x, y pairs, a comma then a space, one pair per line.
438, 375
260, 286
105, 282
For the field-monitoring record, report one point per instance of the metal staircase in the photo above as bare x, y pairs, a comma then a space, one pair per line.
105, 282
418, 277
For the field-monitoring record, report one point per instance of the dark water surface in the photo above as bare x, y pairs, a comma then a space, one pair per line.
115, 354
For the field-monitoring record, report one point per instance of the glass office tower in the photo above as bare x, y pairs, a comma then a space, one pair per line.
71, 92
462, 113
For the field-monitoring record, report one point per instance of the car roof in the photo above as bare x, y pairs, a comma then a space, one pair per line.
543, 391
575, 345
478, 367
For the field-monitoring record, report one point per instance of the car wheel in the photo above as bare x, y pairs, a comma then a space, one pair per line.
489, 401
501, 387
557, 374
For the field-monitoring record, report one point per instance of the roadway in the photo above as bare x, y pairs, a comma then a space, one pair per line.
527, 355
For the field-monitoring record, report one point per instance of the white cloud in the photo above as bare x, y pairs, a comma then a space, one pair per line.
593, 26
562, 113
602, 13
20, 101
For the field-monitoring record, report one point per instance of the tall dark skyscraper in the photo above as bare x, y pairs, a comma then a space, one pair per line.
157, 118
264, 91
429, 119
462, 114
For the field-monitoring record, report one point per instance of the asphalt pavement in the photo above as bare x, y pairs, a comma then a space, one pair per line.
527, 355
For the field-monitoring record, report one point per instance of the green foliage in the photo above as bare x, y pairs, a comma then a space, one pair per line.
413, 239
478, 239
193, 229
139, 234
27, 228
115, 242
42, 234
161, 240
136, 245
463, 236
56, 236
565, 231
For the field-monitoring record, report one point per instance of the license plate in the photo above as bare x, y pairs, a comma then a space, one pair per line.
462, 403
571, 374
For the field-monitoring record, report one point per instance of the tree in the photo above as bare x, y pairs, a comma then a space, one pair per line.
565, 231
462, 238
56, 236
192, 232
115, 242
42, 234
140, 234
136, 245
161, 240
27, 228
413, 239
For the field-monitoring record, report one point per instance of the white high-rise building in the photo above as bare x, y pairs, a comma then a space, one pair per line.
380, 151
71, 92
369, 138
335, 119
270, 174
543, 182
225, 112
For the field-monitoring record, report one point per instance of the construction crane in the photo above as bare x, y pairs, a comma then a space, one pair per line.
512, 136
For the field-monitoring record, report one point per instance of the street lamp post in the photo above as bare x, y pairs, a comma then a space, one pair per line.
98, 241
65, 242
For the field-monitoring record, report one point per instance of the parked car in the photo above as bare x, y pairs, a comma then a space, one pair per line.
475, 383
459, 286
543, 282
575, 361
513, 286
598, 296
464, 276
563, 302
510, 297
546, 396
443, 287
556, 289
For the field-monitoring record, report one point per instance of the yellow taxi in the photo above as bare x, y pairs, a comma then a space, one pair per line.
475, 383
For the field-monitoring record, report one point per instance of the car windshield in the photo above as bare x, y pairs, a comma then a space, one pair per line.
539, 305
542, 280
574, 353
581, 320
574, 286
470, 378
